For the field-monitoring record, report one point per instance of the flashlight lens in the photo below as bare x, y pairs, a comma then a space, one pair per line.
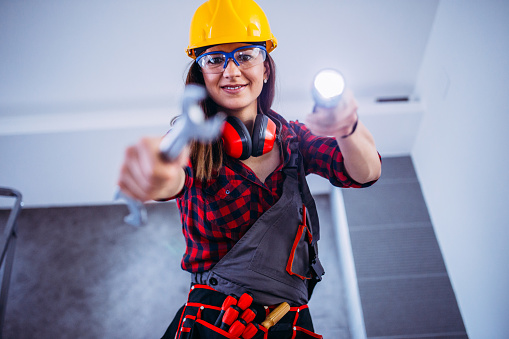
329, 83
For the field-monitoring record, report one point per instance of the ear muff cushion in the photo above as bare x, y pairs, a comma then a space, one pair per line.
260, 125
236, 139
264, 135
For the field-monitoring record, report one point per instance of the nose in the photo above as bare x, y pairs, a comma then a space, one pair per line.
231, 69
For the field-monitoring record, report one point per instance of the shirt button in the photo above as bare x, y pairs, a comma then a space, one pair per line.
227, 192
213, 281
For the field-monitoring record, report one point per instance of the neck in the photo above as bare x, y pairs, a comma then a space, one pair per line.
247, 116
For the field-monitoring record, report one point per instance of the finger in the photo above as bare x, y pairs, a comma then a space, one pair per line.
321, 118
129, 185
321, 131
136, 181
351, 105
132, 188
183, 158
156, 171
322, 124
148, 159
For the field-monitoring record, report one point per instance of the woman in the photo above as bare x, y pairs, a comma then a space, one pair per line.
248, 218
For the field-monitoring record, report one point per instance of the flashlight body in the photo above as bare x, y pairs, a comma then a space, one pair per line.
328, 88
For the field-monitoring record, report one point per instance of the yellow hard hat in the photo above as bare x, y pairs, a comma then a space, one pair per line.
225, 21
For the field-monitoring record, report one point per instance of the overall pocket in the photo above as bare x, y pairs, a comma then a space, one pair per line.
298, 261
271, 256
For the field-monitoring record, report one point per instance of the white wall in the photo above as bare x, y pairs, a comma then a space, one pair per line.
79, 81
66, 168
73, 159
461, 155
79, 55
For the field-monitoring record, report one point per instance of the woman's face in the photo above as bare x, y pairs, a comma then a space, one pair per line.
234, 89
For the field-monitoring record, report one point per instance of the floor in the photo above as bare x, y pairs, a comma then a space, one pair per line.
80, 272
403, 283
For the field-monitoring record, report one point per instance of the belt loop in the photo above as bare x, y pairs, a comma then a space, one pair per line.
200, 277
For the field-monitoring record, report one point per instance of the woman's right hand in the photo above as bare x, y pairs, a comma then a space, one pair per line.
144, 174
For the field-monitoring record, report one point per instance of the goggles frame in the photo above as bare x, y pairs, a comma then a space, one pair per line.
231, 55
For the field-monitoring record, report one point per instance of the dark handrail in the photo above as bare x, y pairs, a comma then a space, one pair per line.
10, 229
7, 246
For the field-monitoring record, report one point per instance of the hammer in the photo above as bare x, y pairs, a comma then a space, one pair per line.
191, 125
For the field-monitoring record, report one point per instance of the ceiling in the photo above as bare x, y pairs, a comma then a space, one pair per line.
69, 58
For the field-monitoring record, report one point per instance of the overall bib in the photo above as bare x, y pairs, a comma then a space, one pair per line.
276, 261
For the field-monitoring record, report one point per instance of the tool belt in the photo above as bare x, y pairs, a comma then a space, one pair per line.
198, 318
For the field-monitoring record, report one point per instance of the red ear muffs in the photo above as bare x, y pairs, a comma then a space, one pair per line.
238, 143
264, 135
236, 139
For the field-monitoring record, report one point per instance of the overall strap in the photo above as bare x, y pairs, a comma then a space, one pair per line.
295, 167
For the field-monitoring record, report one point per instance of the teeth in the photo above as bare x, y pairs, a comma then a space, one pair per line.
229, 87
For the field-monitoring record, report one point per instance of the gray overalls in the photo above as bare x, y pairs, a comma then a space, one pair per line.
277, 258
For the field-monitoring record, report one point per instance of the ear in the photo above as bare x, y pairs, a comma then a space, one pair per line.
266, 70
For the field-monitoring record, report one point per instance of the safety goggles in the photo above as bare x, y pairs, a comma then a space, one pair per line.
244, 57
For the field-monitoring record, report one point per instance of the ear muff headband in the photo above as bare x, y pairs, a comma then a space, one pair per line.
237, 141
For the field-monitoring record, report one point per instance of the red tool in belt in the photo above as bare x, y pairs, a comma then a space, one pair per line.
236, 317
229, 301
245, 301
238, 328
248, 315
231, 314
250, 331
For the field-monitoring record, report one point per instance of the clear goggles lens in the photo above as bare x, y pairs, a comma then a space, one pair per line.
243, 57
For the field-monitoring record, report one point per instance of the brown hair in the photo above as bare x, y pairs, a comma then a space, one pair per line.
207, 159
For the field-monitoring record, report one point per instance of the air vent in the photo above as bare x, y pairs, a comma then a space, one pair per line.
392, 99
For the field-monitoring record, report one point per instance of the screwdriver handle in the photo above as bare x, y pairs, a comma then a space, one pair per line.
231, 314
229, 301
245, 300
276, 315
248, 315
237, 328
250, 331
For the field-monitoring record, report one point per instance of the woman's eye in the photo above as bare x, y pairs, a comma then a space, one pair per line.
244, 58
248, 55
215, 60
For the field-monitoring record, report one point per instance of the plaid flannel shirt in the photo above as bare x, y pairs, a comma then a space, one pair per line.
215, 214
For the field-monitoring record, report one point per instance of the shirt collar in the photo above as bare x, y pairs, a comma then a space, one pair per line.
286, 135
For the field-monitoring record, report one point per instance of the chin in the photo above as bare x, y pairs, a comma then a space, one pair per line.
235, 106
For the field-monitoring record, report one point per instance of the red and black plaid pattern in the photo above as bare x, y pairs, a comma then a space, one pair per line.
217, 213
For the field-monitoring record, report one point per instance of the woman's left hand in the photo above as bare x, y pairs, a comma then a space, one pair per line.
357, 147
334, 122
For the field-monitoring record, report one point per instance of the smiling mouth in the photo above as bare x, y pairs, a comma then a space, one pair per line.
232, 88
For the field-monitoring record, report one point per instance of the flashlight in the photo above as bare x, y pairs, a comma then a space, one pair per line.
328, 88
